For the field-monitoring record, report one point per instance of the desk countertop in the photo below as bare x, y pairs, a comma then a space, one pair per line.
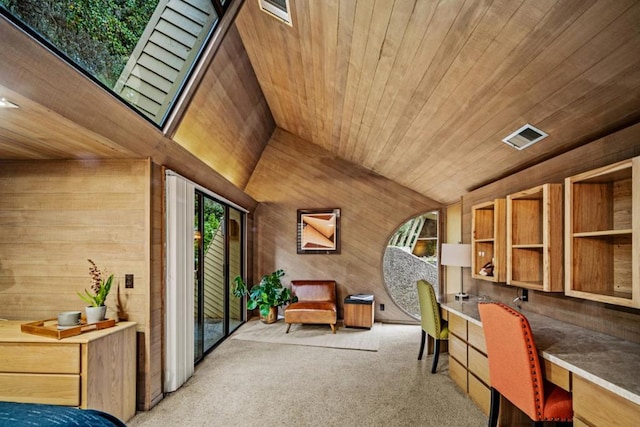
610, 362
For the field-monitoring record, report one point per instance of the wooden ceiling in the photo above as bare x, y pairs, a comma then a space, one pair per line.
419, 91
422, 92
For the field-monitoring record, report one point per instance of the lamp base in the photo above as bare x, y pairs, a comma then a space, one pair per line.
462, 295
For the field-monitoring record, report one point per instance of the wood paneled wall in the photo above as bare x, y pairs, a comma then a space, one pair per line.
612, 320
294, 174
56, 214
228, 122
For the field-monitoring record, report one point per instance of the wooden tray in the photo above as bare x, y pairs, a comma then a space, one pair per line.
49, 328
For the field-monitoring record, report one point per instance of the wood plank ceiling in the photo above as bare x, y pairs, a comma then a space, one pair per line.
422, 92
419, 91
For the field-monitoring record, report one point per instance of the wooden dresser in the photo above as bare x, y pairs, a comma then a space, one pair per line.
94, 370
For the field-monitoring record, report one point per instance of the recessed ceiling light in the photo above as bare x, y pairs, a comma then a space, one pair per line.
524, 137
5, 103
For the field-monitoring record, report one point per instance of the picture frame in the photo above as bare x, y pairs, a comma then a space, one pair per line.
319, 231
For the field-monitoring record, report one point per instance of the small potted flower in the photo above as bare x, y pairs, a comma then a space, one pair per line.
96, 311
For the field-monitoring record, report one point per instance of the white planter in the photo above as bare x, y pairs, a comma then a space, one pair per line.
95, 314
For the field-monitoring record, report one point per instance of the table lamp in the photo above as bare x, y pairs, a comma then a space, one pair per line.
457, 255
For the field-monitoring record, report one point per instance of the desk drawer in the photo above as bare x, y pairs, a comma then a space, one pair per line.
476, 337
599, 407
458, 374
557, 375
41, 388
479, 365
458, 349
480, 394
458, 326
37, 358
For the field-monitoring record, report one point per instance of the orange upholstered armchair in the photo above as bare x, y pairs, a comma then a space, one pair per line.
316, 303
514, 368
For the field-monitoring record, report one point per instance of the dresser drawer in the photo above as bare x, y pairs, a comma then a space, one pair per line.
557, 375
54, 389
40, 358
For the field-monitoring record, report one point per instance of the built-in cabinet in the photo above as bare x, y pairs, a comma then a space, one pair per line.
468, 363
534, 238
488, 260
602, 233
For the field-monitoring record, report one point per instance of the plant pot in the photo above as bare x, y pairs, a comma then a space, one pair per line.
95, 314
272, 317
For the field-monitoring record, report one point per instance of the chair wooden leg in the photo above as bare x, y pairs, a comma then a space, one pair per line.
538, 423
288, 326
333, 327
495, 408
436, 353
424, 338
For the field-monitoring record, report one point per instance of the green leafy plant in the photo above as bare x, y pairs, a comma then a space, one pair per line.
266, 294
99, 287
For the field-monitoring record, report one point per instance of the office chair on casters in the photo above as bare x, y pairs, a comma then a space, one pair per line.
432, 323
514, 368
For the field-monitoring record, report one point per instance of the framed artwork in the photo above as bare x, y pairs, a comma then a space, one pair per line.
319, 231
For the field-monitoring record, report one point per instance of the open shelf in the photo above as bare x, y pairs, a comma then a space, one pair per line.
534, 238
487, 241
601, 234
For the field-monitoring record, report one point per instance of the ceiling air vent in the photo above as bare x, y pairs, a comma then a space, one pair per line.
279, 9
524, 137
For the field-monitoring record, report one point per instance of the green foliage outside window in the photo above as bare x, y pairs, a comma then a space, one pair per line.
99, 35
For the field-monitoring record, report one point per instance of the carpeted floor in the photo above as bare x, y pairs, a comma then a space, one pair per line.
311, 335
245, 383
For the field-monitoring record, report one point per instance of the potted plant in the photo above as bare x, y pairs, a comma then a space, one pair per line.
96, 310
267, 295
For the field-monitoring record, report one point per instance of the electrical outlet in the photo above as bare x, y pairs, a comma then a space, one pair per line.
525, 295
128, 281
381, 307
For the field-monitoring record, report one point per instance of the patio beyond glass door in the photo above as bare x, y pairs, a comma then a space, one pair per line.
218, 259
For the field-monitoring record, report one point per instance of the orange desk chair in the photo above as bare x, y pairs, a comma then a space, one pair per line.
432, 324
514, 368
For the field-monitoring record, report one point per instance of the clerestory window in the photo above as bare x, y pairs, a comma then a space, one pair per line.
143, 51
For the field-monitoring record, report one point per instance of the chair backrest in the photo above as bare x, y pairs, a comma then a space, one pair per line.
514, 366
429, 309
314, 290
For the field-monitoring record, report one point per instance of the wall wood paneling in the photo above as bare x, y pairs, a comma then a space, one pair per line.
56, 214
294, 174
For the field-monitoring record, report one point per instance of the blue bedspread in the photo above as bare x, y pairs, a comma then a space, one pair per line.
35, 415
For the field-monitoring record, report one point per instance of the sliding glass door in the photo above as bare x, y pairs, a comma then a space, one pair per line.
218, 250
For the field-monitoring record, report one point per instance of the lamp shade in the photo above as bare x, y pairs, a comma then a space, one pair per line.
456, 254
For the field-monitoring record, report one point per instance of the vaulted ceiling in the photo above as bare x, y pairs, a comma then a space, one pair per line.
422, 92
419, 91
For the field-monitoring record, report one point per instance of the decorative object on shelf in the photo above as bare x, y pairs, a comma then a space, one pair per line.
319, 231
457, 255
96, 310
487, 269
267, 295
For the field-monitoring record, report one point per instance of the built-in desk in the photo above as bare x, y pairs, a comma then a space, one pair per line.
604, 371
94, 370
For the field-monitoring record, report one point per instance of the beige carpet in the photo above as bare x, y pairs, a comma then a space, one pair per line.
311, 335
247, 384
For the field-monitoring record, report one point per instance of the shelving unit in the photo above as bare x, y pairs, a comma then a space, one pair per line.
488, 239
602, 235
534, 238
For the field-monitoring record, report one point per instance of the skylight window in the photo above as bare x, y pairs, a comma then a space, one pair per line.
143, 51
